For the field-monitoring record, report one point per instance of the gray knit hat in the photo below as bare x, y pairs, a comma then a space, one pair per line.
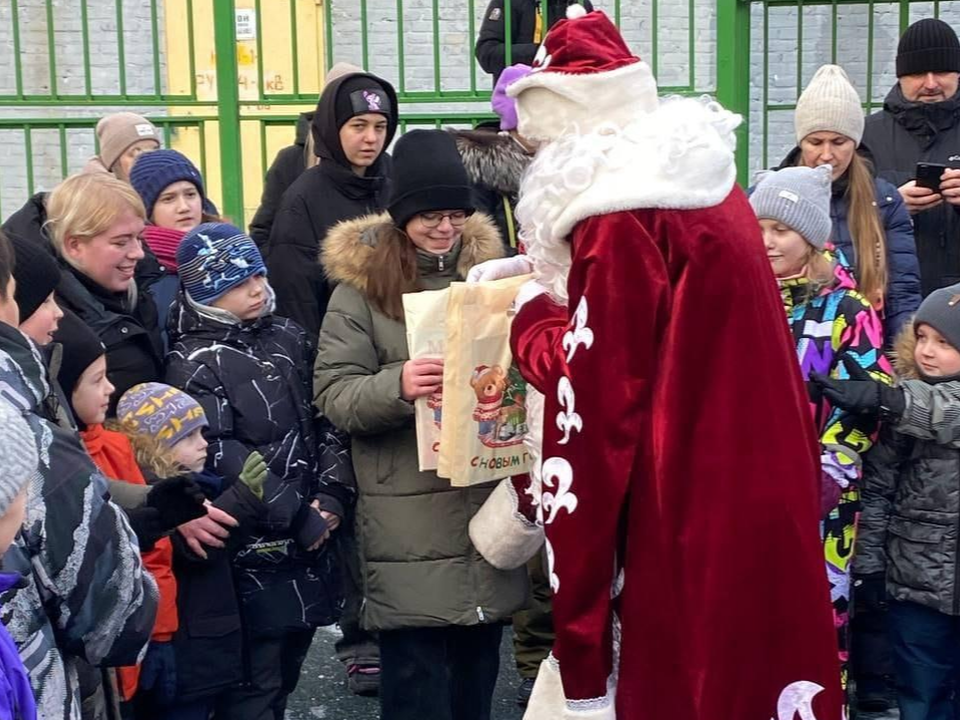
799, 197
829, 103
941, 311
18, 453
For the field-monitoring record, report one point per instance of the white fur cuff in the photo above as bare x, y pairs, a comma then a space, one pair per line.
547, 702
501, 534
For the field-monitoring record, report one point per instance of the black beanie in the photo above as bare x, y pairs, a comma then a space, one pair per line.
36, 272
428, 174
929, 45
81, 347
359, 95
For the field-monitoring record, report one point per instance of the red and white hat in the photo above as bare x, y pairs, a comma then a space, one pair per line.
584, 75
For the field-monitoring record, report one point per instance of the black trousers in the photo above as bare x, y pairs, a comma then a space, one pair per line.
273, 670
357, 646
446, 673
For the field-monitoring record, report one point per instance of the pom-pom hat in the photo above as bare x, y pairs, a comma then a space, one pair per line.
584, 74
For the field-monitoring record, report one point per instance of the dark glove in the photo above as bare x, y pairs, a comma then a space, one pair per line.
869, 592
308, 526
158, 673
178, 500
147, 525
861, 394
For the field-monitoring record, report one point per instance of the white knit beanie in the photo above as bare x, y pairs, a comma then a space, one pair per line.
18, 454
829, 104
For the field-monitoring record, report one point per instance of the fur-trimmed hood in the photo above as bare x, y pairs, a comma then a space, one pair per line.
904, 348
347, 252
493, 159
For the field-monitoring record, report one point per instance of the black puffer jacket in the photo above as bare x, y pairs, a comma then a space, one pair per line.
900, 136
495, 163
130, 332
910, 523
320, 198
253, 381
27, 222
491, 43
287, 166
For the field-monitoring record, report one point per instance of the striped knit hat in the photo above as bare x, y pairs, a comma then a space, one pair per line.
214, 258
18, 453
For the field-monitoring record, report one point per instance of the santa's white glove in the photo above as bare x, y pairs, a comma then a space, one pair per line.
500, 268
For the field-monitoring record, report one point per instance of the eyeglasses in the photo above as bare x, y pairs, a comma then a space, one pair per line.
431, 220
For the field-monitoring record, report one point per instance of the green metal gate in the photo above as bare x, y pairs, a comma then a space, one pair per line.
226, 79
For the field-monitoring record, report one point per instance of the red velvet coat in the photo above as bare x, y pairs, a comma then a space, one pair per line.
678, 446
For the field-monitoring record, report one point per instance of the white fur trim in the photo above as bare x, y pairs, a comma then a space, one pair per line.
501, 534
678, 157
552, 104
547, 701
575, 11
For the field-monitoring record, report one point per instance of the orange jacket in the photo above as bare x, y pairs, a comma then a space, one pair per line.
113, 454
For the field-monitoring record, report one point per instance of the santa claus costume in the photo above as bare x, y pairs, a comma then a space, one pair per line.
679, 462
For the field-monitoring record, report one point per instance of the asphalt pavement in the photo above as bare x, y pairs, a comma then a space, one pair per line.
322, 694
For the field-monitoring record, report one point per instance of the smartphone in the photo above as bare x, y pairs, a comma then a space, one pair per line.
928, 175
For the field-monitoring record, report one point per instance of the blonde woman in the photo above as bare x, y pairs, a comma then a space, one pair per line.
95, 223
871, 226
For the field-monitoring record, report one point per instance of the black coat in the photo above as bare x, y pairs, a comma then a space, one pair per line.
491, 45
287, 166
320, 198
209, 641
130, 334
253, 380
900, 136
27, 222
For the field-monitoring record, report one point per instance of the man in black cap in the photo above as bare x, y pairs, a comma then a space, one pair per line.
354, 123
920, 122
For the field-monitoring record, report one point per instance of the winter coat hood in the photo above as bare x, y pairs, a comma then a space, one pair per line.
326, 134
349, 249
492, 158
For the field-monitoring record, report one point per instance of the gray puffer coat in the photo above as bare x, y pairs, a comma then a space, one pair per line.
910, 523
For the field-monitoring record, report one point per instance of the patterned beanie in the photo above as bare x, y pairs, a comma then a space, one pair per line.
161, 411
799, 197
153, 172
214, 258
18, 453
941, 311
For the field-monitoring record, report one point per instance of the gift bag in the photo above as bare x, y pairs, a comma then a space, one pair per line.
485, 417
425, 314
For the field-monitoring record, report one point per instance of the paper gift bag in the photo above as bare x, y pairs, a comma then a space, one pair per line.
425, 314
485, 417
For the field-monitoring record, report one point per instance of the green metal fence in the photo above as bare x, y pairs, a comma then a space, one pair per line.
227, 79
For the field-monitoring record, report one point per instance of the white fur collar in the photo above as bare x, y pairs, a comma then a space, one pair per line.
678, 156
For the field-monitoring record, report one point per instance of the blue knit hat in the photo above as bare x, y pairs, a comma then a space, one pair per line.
150, 176
214, 258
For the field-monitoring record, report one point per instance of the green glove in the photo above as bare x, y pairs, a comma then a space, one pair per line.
254, 473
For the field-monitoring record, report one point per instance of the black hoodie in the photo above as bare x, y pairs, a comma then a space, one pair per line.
290, 162
320, 198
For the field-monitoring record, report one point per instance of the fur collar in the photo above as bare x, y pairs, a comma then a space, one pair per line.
492, 158
348, 249
903, 353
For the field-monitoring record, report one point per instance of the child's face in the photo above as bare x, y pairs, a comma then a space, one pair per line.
934, 355
9, 310
191, 451
787, 251
246, 300
11, 520
91, 397
41, 326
